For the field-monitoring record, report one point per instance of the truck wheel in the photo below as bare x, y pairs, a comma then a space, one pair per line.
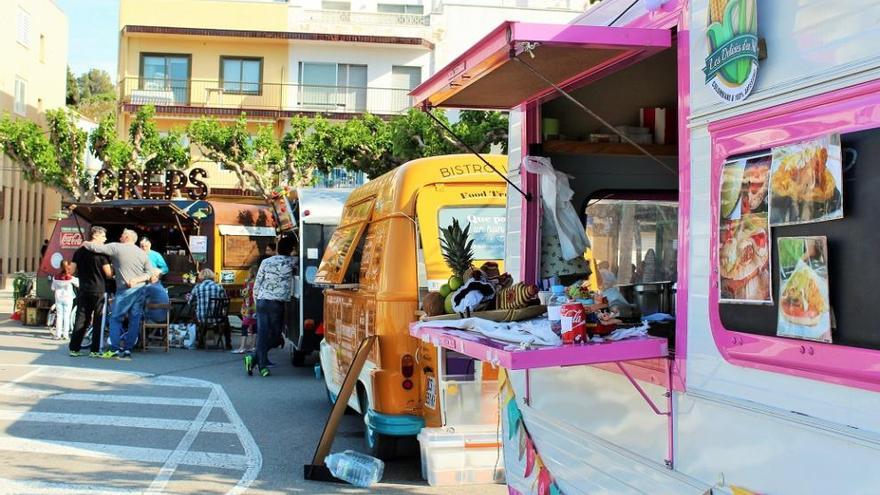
378, 445
298, 358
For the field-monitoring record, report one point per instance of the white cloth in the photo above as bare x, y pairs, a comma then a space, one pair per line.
556, 194
534, 332
64, 289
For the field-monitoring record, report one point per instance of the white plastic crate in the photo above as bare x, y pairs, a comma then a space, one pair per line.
469, 402
461, 455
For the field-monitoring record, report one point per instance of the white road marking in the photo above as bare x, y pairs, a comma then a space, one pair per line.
122, 452
161, 480
45, 394
14, 383
251, 462
119, 421
48, 488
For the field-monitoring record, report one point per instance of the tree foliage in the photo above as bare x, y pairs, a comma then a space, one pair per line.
92, 94
145, 149
55, 158
261, 162
374, 146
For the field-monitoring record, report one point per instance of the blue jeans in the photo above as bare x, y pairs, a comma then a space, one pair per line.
127, 303
270, 319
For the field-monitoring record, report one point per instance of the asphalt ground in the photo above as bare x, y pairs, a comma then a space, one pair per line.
185, 421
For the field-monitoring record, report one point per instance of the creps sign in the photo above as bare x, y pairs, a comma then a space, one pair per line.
128, 181
732, 64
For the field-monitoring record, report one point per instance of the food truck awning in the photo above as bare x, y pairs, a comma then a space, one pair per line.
242, 214
488, 75
132, 212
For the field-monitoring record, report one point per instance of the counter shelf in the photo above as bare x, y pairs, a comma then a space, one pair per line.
513, 357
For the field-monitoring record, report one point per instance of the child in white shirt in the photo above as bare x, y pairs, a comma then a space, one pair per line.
63, 285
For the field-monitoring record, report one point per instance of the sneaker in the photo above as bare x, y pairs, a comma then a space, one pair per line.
264, 371
110, 355
126, 354
94, 354
249, 364
75, 354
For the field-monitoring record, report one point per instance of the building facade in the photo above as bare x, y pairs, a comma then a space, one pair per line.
274, 59
33, 40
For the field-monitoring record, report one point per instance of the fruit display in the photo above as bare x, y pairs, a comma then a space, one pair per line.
433, 304
457, 249
517, 296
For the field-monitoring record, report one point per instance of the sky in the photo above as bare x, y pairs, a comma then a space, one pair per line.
93, 34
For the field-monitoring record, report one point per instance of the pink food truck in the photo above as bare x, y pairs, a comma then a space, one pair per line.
721, 157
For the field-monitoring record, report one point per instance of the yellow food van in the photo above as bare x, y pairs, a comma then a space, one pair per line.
384, 256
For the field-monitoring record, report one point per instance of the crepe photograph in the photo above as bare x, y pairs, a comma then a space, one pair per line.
804, 306
744, 260
806, 182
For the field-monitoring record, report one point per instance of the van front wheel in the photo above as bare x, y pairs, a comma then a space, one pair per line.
378, 445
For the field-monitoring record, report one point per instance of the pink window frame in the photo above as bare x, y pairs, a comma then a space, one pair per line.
673, 14
847, 110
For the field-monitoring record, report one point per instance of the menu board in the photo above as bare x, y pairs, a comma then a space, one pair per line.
849, 264
744, 232
241, 251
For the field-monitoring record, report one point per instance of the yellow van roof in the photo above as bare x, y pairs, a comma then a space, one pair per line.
395, 190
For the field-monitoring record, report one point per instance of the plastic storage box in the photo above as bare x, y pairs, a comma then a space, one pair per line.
469, 402
462, 455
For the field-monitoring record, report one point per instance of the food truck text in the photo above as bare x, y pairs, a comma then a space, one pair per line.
129, 181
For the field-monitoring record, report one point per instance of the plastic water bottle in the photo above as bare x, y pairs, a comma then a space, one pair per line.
356, 468
554, 307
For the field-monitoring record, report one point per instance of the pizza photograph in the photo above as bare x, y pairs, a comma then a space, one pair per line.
744, 260
805, 182
804, 307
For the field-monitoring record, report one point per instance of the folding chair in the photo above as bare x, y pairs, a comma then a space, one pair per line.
148, 327
217, 321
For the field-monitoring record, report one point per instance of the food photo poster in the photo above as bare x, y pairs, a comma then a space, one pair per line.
804, 305
744, 233
806, 182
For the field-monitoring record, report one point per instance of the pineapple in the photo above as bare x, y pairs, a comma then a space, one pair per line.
457, 249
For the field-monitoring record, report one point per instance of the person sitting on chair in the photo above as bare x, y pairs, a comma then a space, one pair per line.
205, 290
155, 293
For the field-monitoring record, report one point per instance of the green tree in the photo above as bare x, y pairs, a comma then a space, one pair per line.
97, 84
375, 147
55, 158
72, 88
261, 162
145, 149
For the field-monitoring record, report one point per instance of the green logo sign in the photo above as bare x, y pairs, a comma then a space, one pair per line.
732, 64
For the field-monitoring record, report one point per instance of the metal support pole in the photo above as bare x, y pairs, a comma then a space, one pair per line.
670, 436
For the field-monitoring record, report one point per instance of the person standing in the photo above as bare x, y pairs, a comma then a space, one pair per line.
273, 287
248, 313
155, 258
62, 286
132, 269
92, 270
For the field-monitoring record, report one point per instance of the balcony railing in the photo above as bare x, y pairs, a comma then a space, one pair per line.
364, 18
264, 96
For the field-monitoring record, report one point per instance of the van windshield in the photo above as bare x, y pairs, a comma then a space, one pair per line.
486, 228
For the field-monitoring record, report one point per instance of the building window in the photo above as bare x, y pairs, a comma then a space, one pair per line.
403, 79
20, 106
240, 75
166, 77
397, 8
23, 27
334, 5
333, 86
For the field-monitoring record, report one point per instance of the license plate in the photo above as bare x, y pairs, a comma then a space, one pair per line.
430, 393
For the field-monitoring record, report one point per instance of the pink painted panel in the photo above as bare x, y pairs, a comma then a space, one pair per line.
512, 357
847, 110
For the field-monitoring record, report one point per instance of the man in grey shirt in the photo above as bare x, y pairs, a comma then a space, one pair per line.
132, 270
